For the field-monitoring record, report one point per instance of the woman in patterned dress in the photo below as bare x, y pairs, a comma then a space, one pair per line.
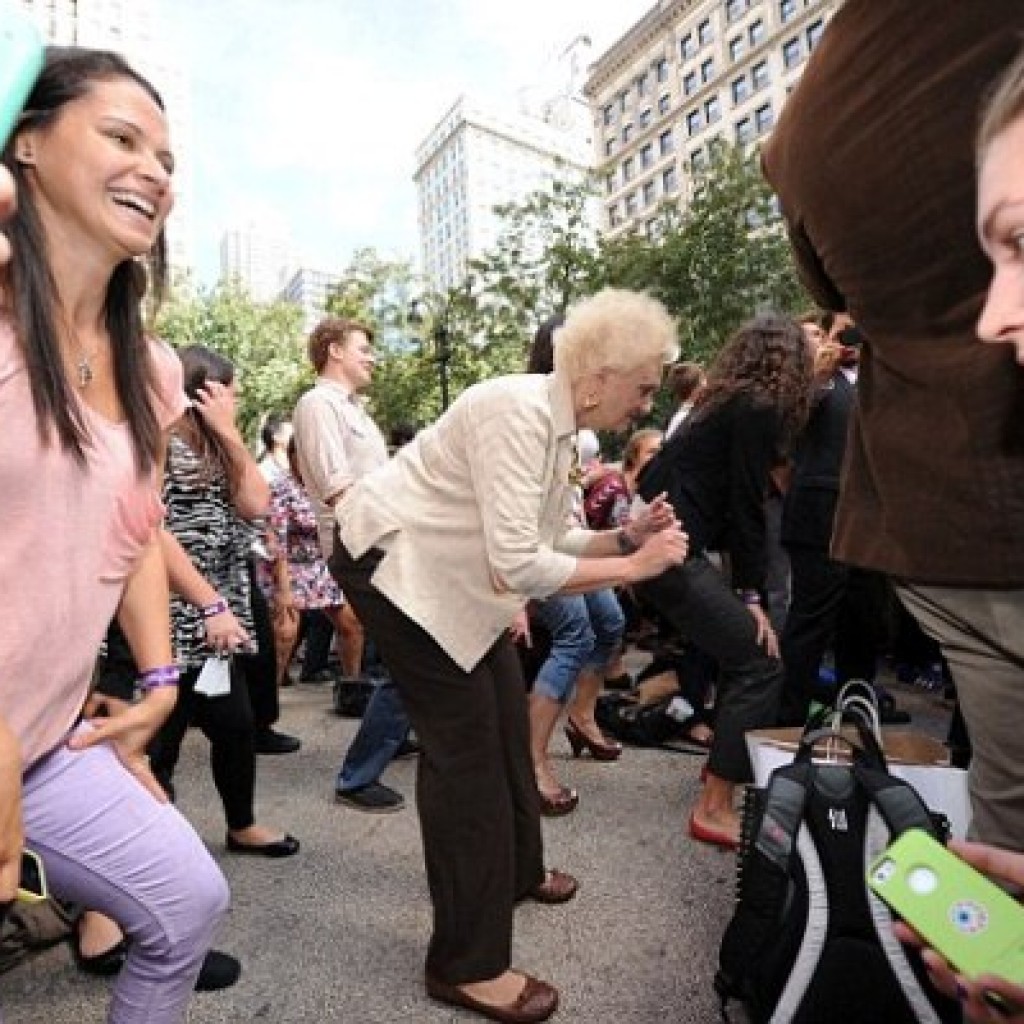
212, 487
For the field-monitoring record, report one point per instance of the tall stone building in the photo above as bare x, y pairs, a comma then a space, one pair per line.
687, 73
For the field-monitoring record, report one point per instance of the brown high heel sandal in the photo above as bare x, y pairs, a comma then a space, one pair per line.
580, 741
561, 803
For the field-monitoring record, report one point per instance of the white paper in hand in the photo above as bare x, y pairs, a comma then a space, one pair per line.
638, 507
215, 678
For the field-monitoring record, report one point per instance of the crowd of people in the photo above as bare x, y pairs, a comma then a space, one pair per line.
137, 516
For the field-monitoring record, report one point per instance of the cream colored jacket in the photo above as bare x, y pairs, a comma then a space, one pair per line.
473, 516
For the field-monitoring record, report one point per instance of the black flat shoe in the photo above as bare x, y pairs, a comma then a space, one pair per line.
220, 970
286, 847
270, 741
102, 965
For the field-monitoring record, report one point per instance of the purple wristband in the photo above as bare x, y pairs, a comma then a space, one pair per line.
154, 678
218, 607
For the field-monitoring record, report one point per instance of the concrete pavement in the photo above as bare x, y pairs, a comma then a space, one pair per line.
337, 933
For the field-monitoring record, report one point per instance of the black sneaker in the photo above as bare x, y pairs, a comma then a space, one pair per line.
374, 798
269, 741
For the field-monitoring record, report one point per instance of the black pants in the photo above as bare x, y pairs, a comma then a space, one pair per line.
700, 606
226, 721
260, 670
319, 634
835, 605
475, 791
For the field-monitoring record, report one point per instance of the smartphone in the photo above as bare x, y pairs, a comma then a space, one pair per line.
32, 886
973, 923
21, 60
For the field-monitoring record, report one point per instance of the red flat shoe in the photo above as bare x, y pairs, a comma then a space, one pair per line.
557, 887
537, 1001
704, 834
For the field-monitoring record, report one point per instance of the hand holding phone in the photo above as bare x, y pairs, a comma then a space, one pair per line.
975, 925
21, 60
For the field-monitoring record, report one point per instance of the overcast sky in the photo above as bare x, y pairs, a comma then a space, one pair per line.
307, 113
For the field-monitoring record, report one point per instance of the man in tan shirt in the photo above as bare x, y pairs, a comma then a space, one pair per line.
338, 443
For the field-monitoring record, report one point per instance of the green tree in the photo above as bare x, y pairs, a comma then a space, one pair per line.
263, 340
718, 262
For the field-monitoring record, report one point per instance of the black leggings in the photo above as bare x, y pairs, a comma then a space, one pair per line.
226, 721
698, 603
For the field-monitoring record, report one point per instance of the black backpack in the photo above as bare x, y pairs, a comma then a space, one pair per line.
808, 942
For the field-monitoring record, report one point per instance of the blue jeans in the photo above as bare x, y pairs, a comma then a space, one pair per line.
586, 632
381, 732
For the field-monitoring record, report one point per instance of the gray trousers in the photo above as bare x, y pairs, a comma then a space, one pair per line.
981, 633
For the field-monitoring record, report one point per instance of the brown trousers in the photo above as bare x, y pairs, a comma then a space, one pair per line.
475, 790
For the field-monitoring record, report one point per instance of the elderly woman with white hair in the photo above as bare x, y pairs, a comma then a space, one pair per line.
438, 552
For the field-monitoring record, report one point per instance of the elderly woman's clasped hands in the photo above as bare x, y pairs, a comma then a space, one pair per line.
658, 537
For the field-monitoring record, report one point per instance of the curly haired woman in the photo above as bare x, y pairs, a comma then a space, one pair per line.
715, 469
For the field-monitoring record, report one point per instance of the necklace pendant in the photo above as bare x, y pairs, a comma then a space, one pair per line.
85, 373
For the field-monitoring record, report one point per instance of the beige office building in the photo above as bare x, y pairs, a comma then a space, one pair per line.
689, 72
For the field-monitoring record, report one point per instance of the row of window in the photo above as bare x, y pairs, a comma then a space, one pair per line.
645, 196
692, 42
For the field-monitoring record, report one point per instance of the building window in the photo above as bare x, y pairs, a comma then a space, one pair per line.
698, 159
631, 204
623, 100
791, 53
712, 110
614, 217
756, 32
642, 84
627, 131
759, 74
734, 9
687, 47
704, 32
609, 147
645, 118
648, 193
666, 143
646, 155
653, 229
740, 90
664, 103
669, 179
627, 169
787, 10
814, 32
609, 183
764, 118
661, 69
744, 130
609, 114
736, 48
689, 82
707, 70
693, 124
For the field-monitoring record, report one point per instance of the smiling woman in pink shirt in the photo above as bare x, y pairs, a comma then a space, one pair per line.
87, 399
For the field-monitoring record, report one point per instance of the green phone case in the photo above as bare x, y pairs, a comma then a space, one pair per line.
973, 923
21, 60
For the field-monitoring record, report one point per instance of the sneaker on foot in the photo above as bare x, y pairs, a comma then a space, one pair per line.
374, 798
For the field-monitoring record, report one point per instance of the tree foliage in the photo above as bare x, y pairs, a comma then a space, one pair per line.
263, 340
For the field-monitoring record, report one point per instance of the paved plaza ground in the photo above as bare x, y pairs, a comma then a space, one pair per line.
338, 932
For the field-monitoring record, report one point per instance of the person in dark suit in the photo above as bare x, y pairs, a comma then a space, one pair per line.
831, 603
873, 160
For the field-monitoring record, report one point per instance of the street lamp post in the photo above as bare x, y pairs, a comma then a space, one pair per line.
440, 309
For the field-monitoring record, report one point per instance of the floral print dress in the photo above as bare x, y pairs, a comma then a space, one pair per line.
292, 530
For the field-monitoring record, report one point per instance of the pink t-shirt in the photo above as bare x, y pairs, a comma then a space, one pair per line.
69, 538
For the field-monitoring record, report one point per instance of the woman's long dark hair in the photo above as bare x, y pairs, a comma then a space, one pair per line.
767, 359
29, 294
202, 365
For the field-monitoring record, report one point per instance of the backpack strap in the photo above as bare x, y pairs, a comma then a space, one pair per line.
765, 879
897, 801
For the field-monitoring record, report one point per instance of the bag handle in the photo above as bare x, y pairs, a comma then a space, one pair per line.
866, 748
